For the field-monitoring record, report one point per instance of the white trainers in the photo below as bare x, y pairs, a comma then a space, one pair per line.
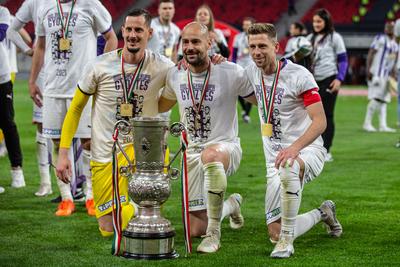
2, 189
44, 190
387, 129
236, 219
17, 177
328, 157
210, 242
369, 128
283, 249
333, 226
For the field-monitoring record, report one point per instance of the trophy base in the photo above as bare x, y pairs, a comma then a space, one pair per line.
133, 256
149, 246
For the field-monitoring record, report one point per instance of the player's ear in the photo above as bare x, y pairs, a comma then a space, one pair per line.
277, 47
150, 32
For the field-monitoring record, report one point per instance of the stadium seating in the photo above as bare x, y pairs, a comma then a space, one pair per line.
342, 11
230, 11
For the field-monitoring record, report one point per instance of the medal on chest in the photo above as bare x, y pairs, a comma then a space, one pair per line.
168, 52
268, 103
126, 108
64, 44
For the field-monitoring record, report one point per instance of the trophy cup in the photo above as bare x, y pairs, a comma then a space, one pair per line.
149, 235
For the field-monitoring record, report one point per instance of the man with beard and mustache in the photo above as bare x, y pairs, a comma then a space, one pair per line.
292, 121
106, 78
207, 95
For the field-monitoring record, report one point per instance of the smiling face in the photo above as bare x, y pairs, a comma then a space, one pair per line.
263, 50
318, 24
195, 44
136, 33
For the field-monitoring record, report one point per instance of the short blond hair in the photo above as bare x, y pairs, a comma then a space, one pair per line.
263, 28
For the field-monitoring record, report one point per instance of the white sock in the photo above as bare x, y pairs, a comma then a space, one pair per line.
215, 183
371, 108
65, 189
227, 209
306, 221
87, 173
42, 154
382, 115
290, 199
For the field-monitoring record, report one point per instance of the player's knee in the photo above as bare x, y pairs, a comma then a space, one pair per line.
105, 223
290, 174
196, 232
210, 155
274, 230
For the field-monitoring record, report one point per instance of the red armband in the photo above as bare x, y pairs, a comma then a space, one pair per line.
310, 97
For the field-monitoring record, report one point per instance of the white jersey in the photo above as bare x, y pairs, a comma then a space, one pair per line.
165, 38
12, 52
4, 60
326, 50
214, 46
242, 45
102, 78
290, 119
385, 56
63, 68
29, 11
218, 111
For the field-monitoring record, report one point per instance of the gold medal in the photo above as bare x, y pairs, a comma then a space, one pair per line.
64, 44
245, 51
266, 129
168, 52
126, 110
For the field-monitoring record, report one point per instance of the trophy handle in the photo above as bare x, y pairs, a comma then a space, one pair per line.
175, 129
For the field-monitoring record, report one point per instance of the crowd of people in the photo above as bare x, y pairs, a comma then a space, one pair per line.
79, 95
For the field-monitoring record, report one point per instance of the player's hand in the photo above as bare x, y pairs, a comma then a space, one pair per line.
213, 36
334, 86
63, 168
35, 94
217, 59
29, 52
287, 155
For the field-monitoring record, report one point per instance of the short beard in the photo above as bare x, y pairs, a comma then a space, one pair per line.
133, 50
198, 62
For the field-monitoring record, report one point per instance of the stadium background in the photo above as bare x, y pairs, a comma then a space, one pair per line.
363, 179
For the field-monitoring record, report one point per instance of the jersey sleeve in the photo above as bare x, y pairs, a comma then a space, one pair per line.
236, 41
102, 18
377, 43
168, 91
24, 13
88, 81
4, 16
397, 28
305, 81
338, 44
244, 86
221, 37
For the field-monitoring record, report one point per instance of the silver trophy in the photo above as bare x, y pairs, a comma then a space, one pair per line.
149, 235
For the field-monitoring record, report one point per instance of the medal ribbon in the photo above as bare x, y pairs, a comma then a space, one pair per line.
64, 26
185, 194
203, 91
268, 113
128, 90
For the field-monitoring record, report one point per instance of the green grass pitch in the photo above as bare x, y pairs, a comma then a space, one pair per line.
364, 181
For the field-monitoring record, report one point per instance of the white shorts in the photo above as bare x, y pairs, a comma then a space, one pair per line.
37, 116
197, 192
54, 111
378, 89
314, 160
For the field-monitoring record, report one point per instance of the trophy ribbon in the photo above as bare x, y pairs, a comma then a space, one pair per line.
185, 194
